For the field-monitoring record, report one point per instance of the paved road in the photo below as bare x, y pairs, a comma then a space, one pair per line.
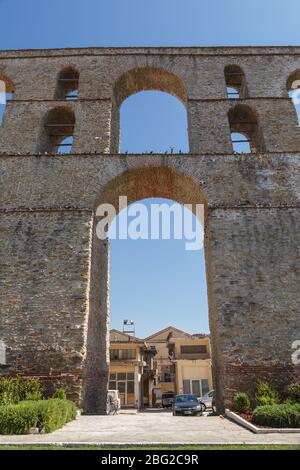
152, 428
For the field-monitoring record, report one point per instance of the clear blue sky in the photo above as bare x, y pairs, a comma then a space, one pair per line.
155, 283
77, 23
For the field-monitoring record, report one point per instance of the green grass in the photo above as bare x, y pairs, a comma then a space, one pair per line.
151, 447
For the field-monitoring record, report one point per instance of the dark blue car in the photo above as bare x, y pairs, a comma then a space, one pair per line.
186, 405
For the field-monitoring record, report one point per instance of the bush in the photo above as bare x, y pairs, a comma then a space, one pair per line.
241, 403
60, 393
15, 390
48, 415
278, 416
294, 392
266, 395
9, 391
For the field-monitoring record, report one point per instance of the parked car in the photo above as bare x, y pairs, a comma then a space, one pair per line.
186, 404
167, 399
114, 397
207, 399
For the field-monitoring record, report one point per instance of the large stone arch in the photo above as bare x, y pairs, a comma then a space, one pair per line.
136, 184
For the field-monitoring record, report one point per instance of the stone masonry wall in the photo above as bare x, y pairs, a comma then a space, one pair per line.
54, 273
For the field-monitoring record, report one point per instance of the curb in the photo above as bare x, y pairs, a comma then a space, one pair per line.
251, 427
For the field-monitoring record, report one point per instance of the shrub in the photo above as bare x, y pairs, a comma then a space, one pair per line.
54, 413
18, 418
266, 395
44, 414
14, 390
241, 402
60, 393
278, 416
9, 390
294, 392
30, 390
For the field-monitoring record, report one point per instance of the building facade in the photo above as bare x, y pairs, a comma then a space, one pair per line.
183, 362
131, 369
191, 356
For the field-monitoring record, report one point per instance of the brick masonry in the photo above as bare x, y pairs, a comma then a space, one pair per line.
54, 273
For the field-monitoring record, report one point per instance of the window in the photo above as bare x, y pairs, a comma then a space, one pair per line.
246, 135
119, 354
240, 143
167, 377
293, 88
130, 387
58, 130
197, 387
193, 349
6, 94
204, 386
67, 84
2, 353
235, 82
125, 384
186, 387
167, 374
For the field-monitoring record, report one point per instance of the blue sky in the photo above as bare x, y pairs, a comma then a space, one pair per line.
77, 23
155, 283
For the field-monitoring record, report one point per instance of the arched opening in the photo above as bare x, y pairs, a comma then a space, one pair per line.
236, 85
57, 131
153, 122
293, 89
246, 135
6, 94
159, 332
141, 80
136, 185
67, 84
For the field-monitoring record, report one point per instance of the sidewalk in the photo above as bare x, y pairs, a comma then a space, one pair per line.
147, 428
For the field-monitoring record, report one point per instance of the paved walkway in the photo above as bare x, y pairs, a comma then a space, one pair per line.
152, 428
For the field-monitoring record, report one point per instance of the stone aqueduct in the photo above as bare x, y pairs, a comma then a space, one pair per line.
54, 297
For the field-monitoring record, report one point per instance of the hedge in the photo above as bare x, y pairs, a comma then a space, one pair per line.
47, 415
278, 416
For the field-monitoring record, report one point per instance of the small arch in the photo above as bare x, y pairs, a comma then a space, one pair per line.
57, 131
293, 77
246, 134
142, 79
2, 354
235, 82
293, 89
67, 84
6, 94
